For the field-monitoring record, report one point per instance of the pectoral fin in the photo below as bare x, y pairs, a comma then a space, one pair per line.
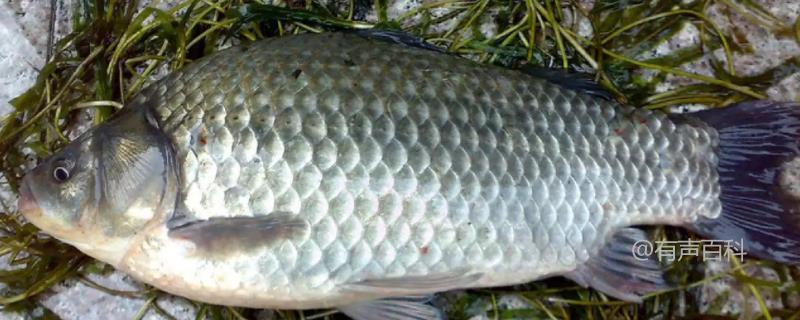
237, 234
619, 272
399, 308
415, 285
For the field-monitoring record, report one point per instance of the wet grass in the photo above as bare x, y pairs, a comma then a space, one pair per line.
115, 50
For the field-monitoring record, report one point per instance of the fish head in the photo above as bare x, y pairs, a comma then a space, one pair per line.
101, 190
56, 193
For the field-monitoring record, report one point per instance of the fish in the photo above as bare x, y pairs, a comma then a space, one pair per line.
366, 171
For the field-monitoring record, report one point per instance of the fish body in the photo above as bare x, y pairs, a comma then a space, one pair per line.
324, 170
406, 163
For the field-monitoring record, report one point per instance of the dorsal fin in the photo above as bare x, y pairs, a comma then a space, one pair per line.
575, 81
398, 37
571, 80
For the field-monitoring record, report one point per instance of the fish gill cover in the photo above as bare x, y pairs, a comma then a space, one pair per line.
115, 48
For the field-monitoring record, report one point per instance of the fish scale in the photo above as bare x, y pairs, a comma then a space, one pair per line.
407, 162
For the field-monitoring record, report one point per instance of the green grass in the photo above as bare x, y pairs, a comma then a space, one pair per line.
114, 51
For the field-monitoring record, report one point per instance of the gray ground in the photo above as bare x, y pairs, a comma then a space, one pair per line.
24, 27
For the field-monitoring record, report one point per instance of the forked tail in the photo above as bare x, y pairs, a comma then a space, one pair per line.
757, 140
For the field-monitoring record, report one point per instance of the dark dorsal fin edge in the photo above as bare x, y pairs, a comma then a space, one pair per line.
581, 82
398, 37
574, 81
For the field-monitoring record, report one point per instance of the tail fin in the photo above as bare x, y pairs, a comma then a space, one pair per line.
756, 142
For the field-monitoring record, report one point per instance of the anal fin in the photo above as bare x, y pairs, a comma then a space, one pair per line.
396, 308
416, 285
619, 272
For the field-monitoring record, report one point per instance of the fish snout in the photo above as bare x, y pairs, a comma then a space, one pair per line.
27, 203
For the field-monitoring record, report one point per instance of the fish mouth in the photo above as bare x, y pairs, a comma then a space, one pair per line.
27, 203
35, 214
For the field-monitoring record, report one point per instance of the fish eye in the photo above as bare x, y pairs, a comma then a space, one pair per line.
61, 174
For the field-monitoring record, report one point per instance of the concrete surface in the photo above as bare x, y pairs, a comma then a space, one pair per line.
19, 56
